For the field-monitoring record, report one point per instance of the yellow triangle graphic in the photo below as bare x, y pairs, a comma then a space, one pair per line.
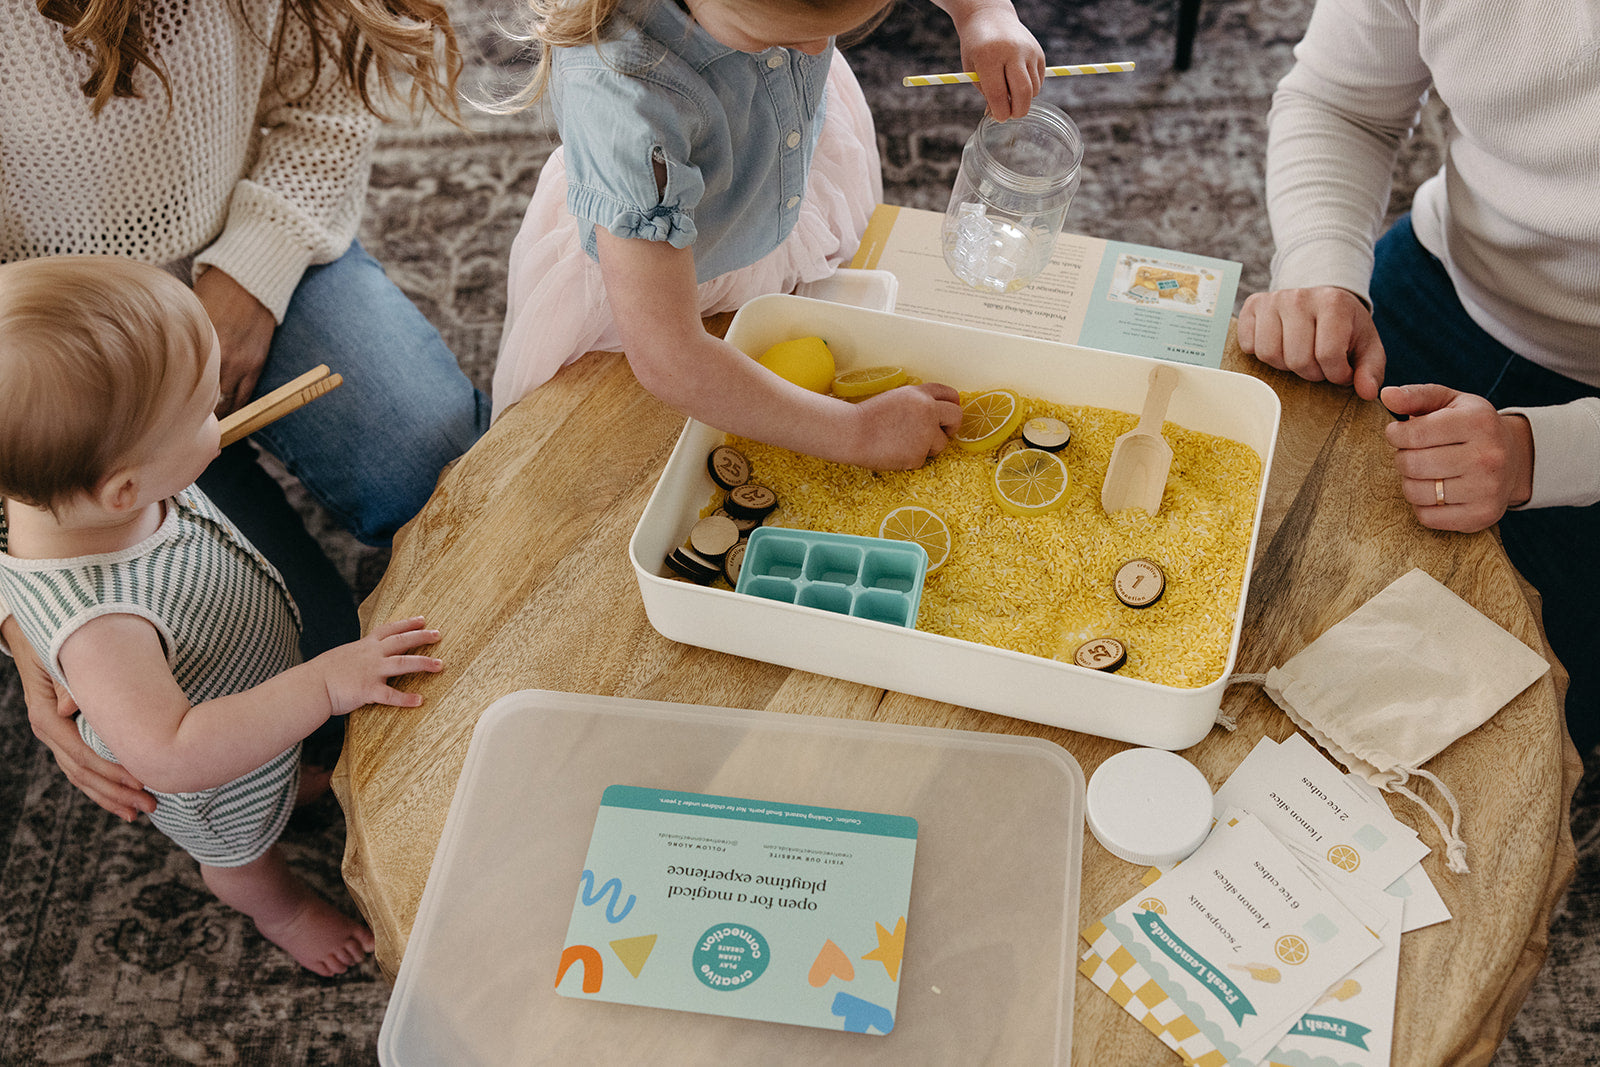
633, 951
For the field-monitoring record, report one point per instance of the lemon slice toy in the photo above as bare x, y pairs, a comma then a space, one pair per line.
924, 526
987, 420
868, 381
1030, 481
805, 361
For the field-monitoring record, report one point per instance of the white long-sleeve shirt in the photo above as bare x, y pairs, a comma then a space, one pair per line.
234, 173
1514, 212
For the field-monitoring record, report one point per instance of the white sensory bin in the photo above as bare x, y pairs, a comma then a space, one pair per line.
929, 665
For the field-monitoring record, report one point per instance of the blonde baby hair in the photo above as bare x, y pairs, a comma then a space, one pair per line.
566, 23
93, 350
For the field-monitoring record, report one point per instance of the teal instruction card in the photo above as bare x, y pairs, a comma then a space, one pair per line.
787, 913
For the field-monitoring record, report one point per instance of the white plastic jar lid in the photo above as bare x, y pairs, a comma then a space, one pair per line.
1149, 806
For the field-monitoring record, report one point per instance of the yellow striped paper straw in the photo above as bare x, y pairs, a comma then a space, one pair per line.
1120, 67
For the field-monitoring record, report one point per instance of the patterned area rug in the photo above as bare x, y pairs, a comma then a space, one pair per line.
111, 949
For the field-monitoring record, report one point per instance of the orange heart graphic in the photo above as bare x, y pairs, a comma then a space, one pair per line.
831, 962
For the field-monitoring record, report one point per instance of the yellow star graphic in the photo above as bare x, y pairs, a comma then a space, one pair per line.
891, 947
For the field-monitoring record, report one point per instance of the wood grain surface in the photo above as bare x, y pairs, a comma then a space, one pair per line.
521, 560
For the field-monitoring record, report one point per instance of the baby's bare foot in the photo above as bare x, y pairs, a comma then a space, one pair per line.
322, 938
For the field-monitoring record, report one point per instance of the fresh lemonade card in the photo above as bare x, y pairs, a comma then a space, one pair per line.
749, 908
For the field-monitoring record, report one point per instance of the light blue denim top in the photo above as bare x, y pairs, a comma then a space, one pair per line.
736, 131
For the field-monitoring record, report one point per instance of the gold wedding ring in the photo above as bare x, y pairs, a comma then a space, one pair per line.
1438, 491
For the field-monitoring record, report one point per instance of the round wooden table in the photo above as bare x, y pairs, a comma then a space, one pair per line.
520, 558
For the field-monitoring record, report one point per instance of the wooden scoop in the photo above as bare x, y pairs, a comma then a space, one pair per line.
1137, 474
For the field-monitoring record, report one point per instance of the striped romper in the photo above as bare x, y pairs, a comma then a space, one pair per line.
227, 624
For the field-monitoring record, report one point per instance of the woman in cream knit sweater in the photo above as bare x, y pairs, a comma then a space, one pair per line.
229, 141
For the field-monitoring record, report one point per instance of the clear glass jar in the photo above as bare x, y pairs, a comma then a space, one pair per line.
1010, 199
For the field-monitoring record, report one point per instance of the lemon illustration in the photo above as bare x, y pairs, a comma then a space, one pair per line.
1292, 949
1344, 857
805, 361
987, 420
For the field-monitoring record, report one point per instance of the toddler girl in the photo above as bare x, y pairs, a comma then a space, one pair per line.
712, 151
176, 639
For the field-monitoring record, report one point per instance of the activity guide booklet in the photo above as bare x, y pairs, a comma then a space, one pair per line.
1102, 294
755, 909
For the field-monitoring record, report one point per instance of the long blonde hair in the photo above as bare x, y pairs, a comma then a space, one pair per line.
411, 39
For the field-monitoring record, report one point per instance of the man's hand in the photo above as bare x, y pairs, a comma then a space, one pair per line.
244, 329
50, 713
1457, 447
1321, 334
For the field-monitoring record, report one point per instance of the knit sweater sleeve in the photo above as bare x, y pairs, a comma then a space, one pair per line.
1337, 121
301, 200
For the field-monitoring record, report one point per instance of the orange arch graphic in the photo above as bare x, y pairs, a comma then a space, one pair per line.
593, 967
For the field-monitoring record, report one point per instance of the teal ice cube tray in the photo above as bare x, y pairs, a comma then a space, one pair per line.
863, 577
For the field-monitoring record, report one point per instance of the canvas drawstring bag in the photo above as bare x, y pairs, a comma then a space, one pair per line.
1394, 683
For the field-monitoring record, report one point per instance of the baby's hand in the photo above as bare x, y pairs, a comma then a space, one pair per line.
901, 428
997, 47
357, 673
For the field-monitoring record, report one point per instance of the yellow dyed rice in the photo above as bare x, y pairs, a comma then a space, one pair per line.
1042, 585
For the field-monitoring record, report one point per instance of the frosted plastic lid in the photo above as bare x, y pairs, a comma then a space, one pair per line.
990, 968
1149, 806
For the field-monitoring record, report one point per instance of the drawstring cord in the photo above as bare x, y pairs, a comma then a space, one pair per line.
1455, 849
1229, 720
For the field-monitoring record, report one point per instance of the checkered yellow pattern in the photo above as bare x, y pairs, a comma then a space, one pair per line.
1113, 969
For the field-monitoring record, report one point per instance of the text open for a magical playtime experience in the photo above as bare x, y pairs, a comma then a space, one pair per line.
756, 909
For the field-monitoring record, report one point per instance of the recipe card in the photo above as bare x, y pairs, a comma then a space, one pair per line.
754, 909
1307, 800
1223, 955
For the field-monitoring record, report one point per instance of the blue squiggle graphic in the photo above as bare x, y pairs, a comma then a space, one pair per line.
588, 894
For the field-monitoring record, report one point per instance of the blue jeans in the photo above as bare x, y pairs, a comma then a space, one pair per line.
370, 451
1429, 337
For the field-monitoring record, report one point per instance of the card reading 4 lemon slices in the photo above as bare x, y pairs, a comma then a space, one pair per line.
1221, 956
782, 912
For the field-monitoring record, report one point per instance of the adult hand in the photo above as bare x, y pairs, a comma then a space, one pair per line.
1322, 334
1461, 462
50, 712
903, 427
244, 329
997, 47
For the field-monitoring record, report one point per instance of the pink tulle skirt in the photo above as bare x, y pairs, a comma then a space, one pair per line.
556, 308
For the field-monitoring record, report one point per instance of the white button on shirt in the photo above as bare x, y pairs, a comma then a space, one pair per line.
791, 202
775, 61
793, 140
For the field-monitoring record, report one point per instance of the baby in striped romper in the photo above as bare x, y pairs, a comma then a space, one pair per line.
175, 638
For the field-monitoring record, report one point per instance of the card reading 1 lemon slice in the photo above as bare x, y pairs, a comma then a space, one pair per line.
987, 419
924, 526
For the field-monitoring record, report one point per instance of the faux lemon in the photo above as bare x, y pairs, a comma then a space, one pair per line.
805, 361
